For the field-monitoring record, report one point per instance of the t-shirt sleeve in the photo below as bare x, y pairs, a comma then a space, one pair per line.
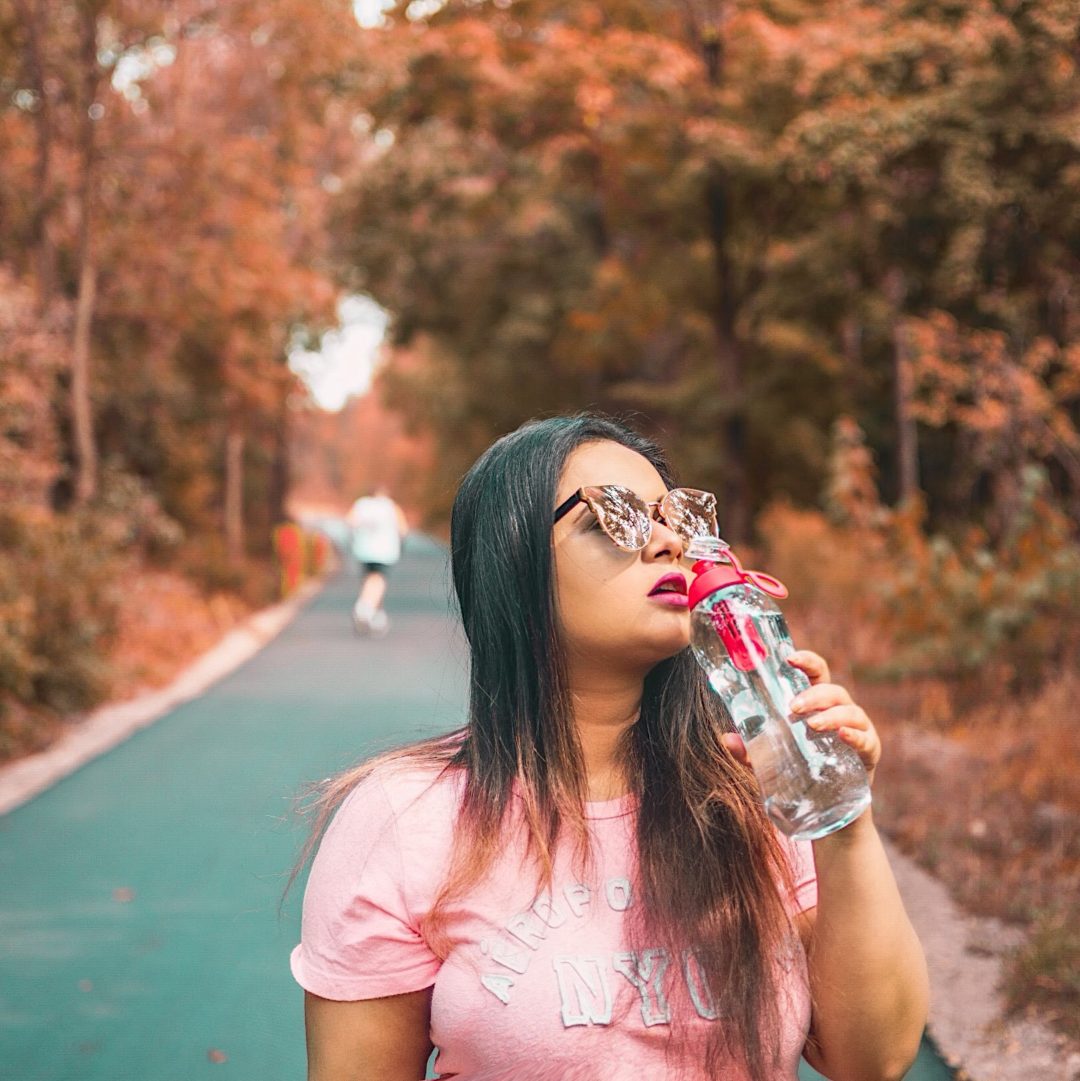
359, 936
804, 874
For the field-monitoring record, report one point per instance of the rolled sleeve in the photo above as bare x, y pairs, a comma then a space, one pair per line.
359, 937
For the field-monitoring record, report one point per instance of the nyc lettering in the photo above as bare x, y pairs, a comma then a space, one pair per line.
645, 971
698, 986
584, 992
585, 996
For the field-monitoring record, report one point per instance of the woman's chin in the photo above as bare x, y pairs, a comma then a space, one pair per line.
671, 644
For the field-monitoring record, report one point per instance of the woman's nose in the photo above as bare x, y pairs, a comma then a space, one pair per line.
664, 540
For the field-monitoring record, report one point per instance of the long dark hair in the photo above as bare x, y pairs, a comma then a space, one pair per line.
712, 874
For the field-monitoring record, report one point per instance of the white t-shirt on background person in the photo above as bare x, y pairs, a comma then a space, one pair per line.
376, 530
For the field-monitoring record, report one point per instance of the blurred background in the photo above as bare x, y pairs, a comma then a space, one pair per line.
258, 257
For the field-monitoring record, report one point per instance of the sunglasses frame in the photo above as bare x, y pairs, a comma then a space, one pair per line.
580, 496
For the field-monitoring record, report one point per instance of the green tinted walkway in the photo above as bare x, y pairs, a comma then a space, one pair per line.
140, 938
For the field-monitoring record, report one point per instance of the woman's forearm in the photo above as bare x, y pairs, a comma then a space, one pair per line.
867, 971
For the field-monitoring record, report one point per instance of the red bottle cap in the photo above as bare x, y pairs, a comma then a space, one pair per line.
709, 578
712, 576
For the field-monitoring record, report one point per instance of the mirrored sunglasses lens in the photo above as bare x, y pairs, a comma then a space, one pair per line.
621, 514
691, 513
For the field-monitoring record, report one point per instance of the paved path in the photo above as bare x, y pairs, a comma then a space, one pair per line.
140, 932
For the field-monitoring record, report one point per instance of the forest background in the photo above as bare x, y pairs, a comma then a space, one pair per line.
826, 251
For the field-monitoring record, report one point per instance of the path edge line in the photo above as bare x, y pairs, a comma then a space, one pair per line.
109, 725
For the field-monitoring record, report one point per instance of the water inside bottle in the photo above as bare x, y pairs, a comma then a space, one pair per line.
811, 791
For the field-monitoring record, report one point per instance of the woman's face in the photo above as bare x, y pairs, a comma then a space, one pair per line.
607, 617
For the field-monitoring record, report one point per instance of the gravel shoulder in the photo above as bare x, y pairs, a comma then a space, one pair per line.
967, 1013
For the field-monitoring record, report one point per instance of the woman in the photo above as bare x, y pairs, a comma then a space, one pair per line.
582, 882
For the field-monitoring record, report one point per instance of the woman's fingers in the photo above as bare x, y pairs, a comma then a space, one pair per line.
736, 746
826, 707
820, 696
813, 664
865, 743
851, 724
845, 715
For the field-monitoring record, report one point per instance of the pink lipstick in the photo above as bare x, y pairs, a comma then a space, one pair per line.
670, 590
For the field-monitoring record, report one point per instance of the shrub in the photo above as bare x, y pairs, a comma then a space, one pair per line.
128, 515
830, 572
57, 607
18, 664
982, 617
205, 561
958, 609
59, 584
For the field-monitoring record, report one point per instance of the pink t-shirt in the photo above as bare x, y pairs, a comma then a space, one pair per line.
531, 988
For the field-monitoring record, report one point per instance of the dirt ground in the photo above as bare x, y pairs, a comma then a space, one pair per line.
969, 956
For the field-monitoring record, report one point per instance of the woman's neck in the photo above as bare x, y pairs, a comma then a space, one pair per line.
603, 713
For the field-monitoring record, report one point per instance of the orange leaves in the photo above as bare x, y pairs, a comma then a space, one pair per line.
163, 621
594, 99
608, 204
1014, 404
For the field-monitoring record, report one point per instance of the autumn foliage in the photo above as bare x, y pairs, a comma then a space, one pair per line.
741, 220
826, 250
163, 239
965, 651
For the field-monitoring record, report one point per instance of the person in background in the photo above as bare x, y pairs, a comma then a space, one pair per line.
378, 528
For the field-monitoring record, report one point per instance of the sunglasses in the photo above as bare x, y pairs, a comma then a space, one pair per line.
628, 520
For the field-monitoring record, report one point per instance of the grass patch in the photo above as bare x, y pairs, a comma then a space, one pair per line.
1045, 970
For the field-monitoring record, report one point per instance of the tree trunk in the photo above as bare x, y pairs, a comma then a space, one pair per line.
234, 493
906, 431
279, 480
852, 332
734, 499
907, 435
82, 416
33, 21
734, 511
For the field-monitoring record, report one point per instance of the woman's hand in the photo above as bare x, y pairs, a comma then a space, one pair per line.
833, 710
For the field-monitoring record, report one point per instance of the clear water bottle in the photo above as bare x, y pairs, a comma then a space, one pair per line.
812, 782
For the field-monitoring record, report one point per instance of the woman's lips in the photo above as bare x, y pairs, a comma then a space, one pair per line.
672, 600
670, 590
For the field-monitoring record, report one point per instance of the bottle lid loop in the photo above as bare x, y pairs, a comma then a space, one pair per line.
713, 551
765, 582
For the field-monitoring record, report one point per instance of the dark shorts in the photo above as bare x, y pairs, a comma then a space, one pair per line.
374, 568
